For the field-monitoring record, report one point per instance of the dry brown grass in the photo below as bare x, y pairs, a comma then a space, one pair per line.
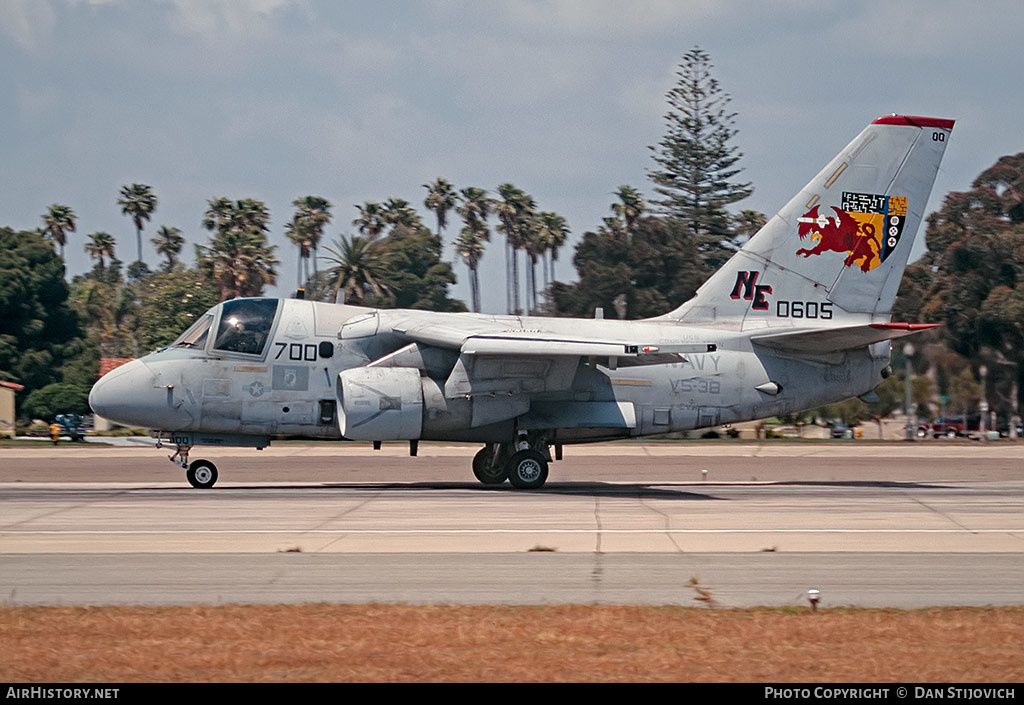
557, 643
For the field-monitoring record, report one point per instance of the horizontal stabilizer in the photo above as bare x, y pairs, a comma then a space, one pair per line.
827, 340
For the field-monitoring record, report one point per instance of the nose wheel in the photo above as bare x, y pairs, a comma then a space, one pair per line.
201, 474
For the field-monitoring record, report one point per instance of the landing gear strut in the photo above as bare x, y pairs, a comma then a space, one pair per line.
523, 463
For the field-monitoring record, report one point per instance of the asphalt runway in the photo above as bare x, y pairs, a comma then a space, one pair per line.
901, 525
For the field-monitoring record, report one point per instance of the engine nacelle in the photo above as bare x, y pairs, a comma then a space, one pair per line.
380, 404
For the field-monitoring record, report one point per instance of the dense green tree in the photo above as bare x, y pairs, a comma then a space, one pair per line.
415, 274
972, 278
56, 398
58, 221
638, 272
238, 258
168, 242
107, 304
964, 392
696, 160
39, 332
851, 412
169, 302
139, 202
746, 223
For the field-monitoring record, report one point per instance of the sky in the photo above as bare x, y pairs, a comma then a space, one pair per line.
360, 101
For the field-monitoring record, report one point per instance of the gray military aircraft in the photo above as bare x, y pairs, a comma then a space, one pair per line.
797, 318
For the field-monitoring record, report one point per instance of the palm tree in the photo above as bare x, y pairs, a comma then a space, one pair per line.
397, 211
100, 245
168, 242
631, 205
218, 214
554, 231
440, 199
514, 210
474, 210
358, 269
238, 257
533, 239
58, 221
313, 214
470, 246
298, 231
371, 221
138, 201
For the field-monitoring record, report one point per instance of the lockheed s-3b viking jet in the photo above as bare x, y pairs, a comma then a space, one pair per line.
797, 318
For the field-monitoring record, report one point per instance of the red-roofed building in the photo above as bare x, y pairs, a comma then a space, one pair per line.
112, 363
106, 365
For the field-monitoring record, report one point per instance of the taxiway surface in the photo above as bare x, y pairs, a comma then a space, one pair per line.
872, 525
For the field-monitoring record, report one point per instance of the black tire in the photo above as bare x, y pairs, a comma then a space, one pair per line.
202, 474
527, 470
951, 433
486, 472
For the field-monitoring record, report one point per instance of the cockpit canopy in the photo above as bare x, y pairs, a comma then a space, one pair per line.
244, 327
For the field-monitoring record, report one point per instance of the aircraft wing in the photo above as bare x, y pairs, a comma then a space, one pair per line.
535, 343
807, 343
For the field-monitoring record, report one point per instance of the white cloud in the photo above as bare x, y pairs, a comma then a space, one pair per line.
604, 18
927, 30
27, 22
237, 17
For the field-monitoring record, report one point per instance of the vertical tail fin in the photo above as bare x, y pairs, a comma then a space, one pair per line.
838, 249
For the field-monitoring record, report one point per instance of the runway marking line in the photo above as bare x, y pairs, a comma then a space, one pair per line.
100, 532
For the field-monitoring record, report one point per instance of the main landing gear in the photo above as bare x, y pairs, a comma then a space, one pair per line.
523, 464
201, 474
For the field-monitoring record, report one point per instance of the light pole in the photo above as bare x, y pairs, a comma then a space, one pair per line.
983, 407
908, 352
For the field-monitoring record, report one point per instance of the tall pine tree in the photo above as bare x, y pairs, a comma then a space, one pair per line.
697, 160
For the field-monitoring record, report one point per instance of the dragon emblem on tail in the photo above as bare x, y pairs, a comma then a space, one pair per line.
844, 234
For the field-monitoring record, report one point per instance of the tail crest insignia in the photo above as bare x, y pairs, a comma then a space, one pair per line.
866, 229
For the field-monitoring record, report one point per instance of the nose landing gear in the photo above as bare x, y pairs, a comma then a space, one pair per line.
201, 474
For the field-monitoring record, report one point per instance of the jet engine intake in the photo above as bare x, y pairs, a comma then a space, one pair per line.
380, 404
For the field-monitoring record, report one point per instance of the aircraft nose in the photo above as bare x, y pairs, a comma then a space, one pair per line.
133, 395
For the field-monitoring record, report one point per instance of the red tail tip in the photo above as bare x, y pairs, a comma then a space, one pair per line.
915, 121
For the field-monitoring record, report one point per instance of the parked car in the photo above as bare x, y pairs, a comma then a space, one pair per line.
944, 427
1004, 428
71, 425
